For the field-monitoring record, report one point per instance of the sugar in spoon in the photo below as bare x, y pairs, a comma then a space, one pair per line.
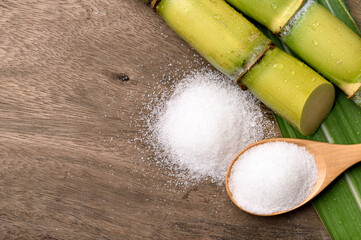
331, 160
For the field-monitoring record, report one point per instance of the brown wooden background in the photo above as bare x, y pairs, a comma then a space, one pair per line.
69, 167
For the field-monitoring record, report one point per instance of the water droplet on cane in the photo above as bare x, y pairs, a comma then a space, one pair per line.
278, 66
315, 25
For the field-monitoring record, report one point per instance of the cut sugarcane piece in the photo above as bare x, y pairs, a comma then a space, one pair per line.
326, 44
218, 32
274, 14
292, 89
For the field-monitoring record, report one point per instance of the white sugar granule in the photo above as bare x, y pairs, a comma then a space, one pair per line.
272, 177
205, 122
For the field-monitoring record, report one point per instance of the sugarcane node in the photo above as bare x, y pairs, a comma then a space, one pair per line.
278, 33
285, 30
242, 86
272, 46
274, 15
238, 80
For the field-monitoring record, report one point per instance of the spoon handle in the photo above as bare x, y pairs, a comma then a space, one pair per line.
344, 156
339, 158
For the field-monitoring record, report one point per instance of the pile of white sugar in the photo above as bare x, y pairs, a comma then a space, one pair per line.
272, 177
204, 123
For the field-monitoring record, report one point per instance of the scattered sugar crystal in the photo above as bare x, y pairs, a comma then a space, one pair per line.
272, 177
204, 123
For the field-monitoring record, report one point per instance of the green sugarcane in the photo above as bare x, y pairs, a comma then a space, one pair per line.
319, 38
210, 28
295, 91
274, 14
238, 49
328, 45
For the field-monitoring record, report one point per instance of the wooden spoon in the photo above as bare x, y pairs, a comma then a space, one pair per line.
331, 161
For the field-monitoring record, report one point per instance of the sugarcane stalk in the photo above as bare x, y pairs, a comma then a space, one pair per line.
274, 14
320, 39
210, 28
238, 49
327, 44
295, 84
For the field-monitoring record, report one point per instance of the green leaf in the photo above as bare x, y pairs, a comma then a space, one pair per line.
340, 10
339, 206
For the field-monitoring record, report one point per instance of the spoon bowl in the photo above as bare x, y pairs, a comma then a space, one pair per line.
331, 160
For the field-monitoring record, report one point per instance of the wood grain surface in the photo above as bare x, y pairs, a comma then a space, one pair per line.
74, 77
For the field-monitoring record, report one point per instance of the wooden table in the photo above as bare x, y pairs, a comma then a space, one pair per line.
74, 77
